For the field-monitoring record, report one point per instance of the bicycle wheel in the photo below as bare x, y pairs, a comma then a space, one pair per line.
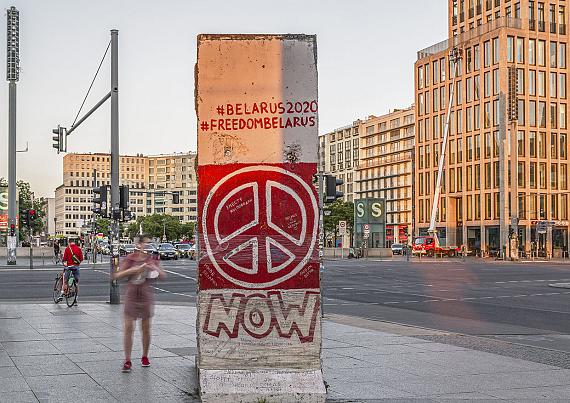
71, 296
57, 288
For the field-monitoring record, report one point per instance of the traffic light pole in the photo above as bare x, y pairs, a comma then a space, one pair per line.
12, 240
93, 224
321, 184
114, 296
12, 76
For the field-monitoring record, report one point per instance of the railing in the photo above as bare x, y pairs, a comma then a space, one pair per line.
541, 26
531, 24
503, 22
471, 12
433, 49
562, 29
553, 27
488, 5
462, 16
478, 9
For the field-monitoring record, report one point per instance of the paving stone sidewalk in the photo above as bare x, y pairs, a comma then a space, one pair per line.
50, 353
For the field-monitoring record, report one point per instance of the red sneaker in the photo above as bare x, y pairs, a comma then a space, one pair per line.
145, 362
127, 366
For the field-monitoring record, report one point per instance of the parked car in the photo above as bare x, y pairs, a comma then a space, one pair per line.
126, 249
167, 251
397, 249
149, 249
184, 250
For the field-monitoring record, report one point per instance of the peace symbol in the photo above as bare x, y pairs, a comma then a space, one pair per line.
260, 225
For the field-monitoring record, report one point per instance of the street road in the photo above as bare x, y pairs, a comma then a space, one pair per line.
497, 300
23, 284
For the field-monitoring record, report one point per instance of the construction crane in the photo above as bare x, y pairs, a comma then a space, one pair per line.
455, 55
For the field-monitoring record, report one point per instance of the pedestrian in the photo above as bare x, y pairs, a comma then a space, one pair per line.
140, 269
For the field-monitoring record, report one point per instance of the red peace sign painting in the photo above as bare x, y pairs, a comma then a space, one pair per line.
258, 227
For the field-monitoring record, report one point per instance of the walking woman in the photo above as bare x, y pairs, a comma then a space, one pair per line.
140, 269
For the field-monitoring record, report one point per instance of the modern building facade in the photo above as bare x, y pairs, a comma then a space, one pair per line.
339, 155
386, 166
504, 171
374, 159
146, 177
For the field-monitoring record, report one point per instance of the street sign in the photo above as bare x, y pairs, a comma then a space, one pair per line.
12, 243
342, 227
365, 236
366, 229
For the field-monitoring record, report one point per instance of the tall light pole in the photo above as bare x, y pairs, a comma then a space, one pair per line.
12, 76
114, 295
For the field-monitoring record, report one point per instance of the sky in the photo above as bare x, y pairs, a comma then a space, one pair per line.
366, 51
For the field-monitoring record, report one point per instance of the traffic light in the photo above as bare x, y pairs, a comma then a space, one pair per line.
128, 216
32, 215
175, 198
25, 218
12, 230
100, 201
124, 197
60, 139
332, 194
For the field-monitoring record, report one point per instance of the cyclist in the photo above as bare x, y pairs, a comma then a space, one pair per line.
72, 258
56, 251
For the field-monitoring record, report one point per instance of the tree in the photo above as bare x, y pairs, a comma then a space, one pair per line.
26, 201
340, 211
157, 225
103, 226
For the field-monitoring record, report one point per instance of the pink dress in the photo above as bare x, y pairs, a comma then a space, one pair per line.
138, 296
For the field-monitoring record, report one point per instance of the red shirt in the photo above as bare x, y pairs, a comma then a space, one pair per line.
68, 257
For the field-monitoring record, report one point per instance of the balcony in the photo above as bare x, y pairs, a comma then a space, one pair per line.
541, 25
503, 22
434, 49
531, 24
479, 9
553, 27
461, 17
471, 12
562, 29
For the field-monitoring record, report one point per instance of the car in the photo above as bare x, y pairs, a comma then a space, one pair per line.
184, 250
167, 251
150, 249
104, 248
397, 249
126, 249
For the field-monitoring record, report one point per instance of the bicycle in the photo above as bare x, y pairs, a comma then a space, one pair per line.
56, 259
71, 295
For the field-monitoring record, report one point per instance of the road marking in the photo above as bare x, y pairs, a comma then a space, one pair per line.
43, 269
172, 292
178, 274
347, 288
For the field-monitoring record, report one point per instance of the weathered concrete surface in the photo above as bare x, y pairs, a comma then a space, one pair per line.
232, 386
259, 324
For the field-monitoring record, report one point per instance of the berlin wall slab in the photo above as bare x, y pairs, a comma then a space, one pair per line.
259, 324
